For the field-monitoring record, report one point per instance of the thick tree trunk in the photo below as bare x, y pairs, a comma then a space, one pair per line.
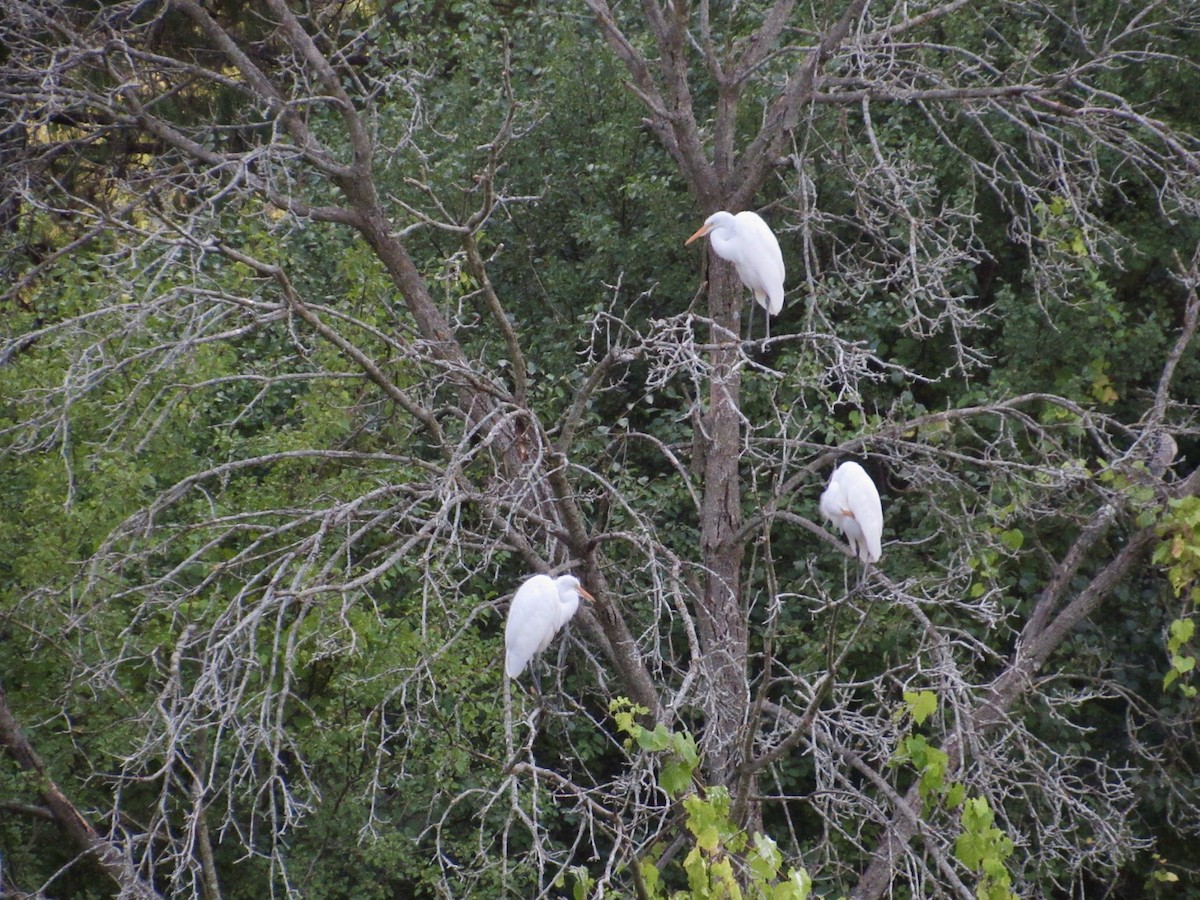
721, 617
70, 821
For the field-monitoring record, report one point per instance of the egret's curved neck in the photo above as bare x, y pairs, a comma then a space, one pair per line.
569, 603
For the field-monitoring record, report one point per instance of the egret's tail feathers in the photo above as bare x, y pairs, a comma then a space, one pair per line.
514, 665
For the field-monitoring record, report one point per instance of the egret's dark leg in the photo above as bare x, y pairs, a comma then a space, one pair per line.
861, 581
535, 671
833, 619
860, 551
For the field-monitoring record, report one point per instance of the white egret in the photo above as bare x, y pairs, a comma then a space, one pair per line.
851, 502
748, 242
540, 608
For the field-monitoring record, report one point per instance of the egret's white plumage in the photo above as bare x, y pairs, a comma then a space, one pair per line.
748, 242
540, 608
851, 502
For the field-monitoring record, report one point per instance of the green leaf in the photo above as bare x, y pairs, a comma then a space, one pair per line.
915, 749
650, 876
702, 823
976, 814
1013, 539
968, 850
721, 872
697, 873
624, 711
685, 746
797, 887
765, 859
583, 883
1182, 630
954, 796
657, 740
674, 777
921, 705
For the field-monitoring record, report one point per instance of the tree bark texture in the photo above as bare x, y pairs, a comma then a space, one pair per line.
74, 826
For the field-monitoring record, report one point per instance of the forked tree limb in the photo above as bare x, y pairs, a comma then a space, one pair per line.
362, 209
1051, 623
66, 815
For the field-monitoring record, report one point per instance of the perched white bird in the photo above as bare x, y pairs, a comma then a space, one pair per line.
851, 502
540, 608
748, 242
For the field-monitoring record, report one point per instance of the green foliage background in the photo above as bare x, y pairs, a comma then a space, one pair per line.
373, 700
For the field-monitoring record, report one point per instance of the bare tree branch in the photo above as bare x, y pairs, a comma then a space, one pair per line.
70, 821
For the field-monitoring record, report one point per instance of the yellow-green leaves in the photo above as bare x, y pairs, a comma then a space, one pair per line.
980, 846
930, 763
716, 838
1013, 539
915, 749
921, 705
682, 755
676, 772
1058, 226
1179, 636
983, 849
625, 712
708, 821
1160, 874
1179, 552
1101, 386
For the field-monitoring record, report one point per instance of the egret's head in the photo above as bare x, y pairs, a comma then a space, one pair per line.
716, 220
571, 583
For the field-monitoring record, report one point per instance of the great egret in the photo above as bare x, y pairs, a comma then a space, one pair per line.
851, 502
748, 242
541, 607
